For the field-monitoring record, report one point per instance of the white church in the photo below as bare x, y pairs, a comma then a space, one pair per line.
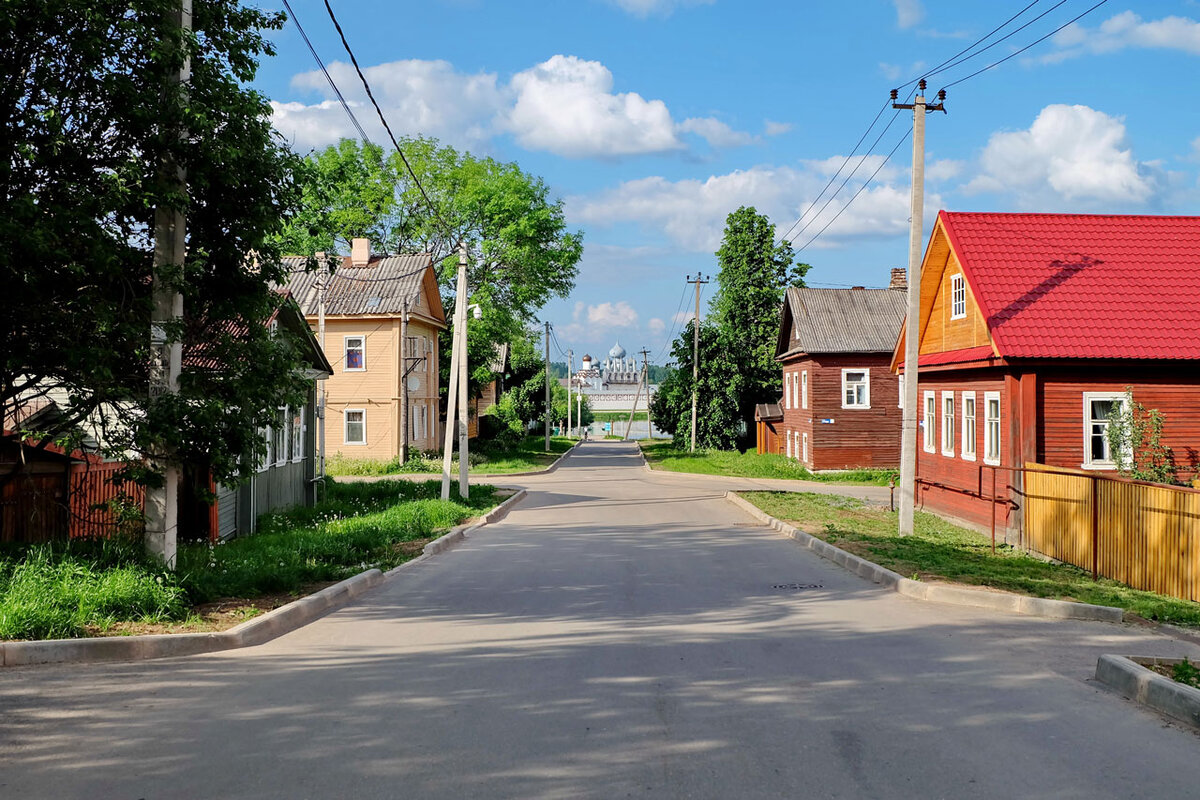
611, 385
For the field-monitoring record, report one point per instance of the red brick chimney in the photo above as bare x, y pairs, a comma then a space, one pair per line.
899, 278
360, 252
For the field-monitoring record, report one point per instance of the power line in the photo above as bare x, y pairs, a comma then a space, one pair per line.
1006, 37
675, 326
1026, 47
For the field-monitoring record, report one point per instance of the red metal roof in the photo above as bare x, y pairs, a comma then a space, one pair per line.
1083, 285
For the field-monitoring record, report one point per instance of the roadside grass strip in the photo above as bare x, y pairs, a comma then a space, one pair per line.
941, 551
492, 458
81, 588
666, 455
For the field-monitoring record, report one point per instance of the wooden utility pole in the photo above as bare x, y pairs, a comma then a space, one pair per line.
404, 421
547, 387
908, 438
699, 281
457, 359
166, 351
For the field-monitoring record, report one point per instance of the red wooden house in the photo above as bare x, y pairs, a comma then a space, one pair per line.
1033, 326
840, 406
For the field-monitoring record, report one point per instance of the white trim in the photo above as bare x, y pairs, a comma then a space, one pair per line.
346, 412
805, 435
804, 388
970, 437
866, 371
948, 429
900, 386
297, 431
1088, 397
988, 397
285, 439
346, 349
795, 390
789, 444
787, 390
929, 438
958, 285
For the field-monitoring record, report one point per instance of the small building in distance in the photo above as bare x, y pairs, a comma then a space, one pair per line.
612, 385
840, 407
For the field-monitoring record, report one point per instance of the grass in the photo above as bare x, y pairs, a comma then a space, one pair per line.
665, 455
617, 416
69, 589
941, 551
486, 457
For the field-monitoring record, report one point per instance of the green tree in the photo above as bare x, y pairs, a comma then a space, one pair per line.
85, 122
1135, 441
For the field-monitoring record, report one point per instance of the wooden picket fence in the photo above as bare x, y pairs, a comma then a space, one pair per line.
1145, 535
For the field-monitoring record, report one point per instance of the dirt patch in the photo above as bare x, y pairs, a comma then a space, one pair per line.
411, 548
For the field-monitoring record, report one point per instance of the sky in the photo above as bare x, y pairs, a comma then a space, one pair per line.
654, 119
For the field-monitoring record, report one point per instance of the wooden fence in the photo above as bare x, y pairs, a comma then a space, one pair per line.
92, 487
1142, 534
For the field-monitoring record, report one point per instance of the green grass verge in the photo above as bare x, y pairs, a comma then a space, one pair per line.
941, 551
72, 589
490, 458
617, 416
665, 455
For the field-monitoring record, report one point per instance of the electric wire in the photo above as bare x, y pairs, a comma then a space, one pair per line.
1006, 37
674, 324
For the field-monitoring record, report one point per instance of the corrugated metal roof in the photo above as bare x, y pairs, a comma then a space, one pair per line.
768, 412
842, 320
381, 287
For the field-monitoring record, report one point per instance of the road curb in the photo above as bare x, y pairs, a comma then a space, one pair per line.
259, 630
1129, 676
930, 592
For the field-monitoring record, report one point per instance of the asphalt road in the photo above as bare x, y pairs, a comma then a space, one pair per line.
620, 634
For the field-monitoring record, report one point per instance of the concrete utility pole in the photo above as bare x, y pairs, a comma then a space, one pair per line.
570, 360
404, 422
649, 418
547, 387
166, 351
908, 439
322, 392
457, 375
699, 280
642, 381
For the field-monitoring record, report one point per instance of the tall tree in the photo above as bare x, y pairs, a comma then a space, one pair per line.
81, 139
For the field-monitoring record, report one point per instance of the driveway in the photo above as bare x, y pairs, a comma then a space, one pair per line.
620, 634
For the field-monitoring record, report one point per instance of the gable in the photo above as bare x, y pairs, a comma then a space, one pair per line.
947, 328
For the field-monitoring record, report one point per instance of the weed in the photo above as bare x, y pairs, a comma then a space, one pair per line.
1185, 672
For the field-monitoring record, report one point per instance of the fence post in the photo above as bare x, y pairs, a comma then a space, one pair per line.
1095, 527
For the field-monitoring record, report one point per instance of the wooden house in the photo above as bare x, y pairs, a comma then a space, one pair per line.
840, 406
1033, 327
365, 301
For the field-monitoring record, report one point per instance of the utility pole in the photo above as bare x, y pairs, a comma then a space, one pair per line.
464, 488
166, 351
457, 362
908, 438
547, 387
323, 393
642, 381
404, 423
649, 418
699, 281
570, 360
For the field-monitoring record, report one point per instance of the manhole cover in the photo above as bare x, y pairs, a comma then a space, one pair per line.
796, 587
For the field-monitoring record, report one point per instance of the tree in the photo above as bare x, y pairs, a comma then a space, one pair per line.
82, 134
1135, 441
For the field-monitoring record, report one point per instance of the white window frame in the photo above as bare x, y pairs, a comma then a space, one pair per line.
282, 438
969, 431
958, 297
268, 456
930, 432
1088, 397
948, 429
805, 451
789, 444
346, 426
362, 347
787, 390
988, 439
866, 371
796, 390
900, 388
299, 425
804, 389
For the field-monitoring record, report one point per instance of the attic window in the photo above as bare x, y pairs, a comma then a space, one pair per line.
958, 297
373, 302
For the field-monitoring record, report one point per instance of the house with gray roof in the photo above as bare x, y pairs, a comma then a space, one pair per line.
840, 405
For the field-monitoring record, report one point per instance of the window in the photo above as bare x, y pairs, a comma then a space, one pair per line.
355, 422
355, 354
958, 297
930, 422
991, 428
948, 423
900, 389
968, 426
1098, 410
856, 388
269, 457
280, 438
417, 412
805, 435
298, 433
789, 444
787, 390
804, 389
795, 390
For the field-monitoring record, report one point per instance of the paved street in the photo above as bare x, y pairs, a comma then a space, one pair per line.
618, 635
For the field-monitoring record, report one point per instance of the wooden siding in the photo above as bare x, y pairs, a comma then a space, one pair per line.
857, 437
941, 333
92, 486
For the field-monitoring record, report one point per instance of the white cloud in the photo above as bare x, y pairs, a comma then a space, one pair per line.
612, 315
908, 12
418, 97
1126, 29
715, 132
776, 128
1072, 153
579, 306
943, 169
683, 317
644, 8
656, 326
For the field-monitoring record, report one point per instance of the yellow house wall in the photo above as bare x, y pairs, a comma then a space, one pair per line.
942, 333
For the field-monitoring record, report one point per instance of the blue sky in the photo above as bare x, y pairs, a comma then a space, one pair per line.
653, 119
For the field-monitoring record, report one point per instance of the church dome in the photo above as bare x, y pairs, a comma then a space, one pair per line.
617, 351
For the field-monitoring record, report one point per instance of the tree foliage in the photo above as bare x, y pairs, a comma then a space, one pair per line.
524, 400
737, 341
1135, 441
86, 120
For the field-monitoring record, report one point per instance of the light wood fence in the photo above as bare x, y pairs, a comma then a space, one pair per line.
1145, 535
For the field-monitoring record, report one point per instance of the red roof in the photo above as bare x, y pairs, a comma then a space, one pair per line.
1083, 285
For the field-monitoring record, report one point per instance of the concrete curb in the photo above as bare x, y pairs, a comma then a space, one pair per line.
936, 593
1127, 675
256, 631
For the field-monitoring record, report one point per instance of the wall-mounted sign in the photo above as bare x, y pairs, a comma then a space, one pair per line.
827, 421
